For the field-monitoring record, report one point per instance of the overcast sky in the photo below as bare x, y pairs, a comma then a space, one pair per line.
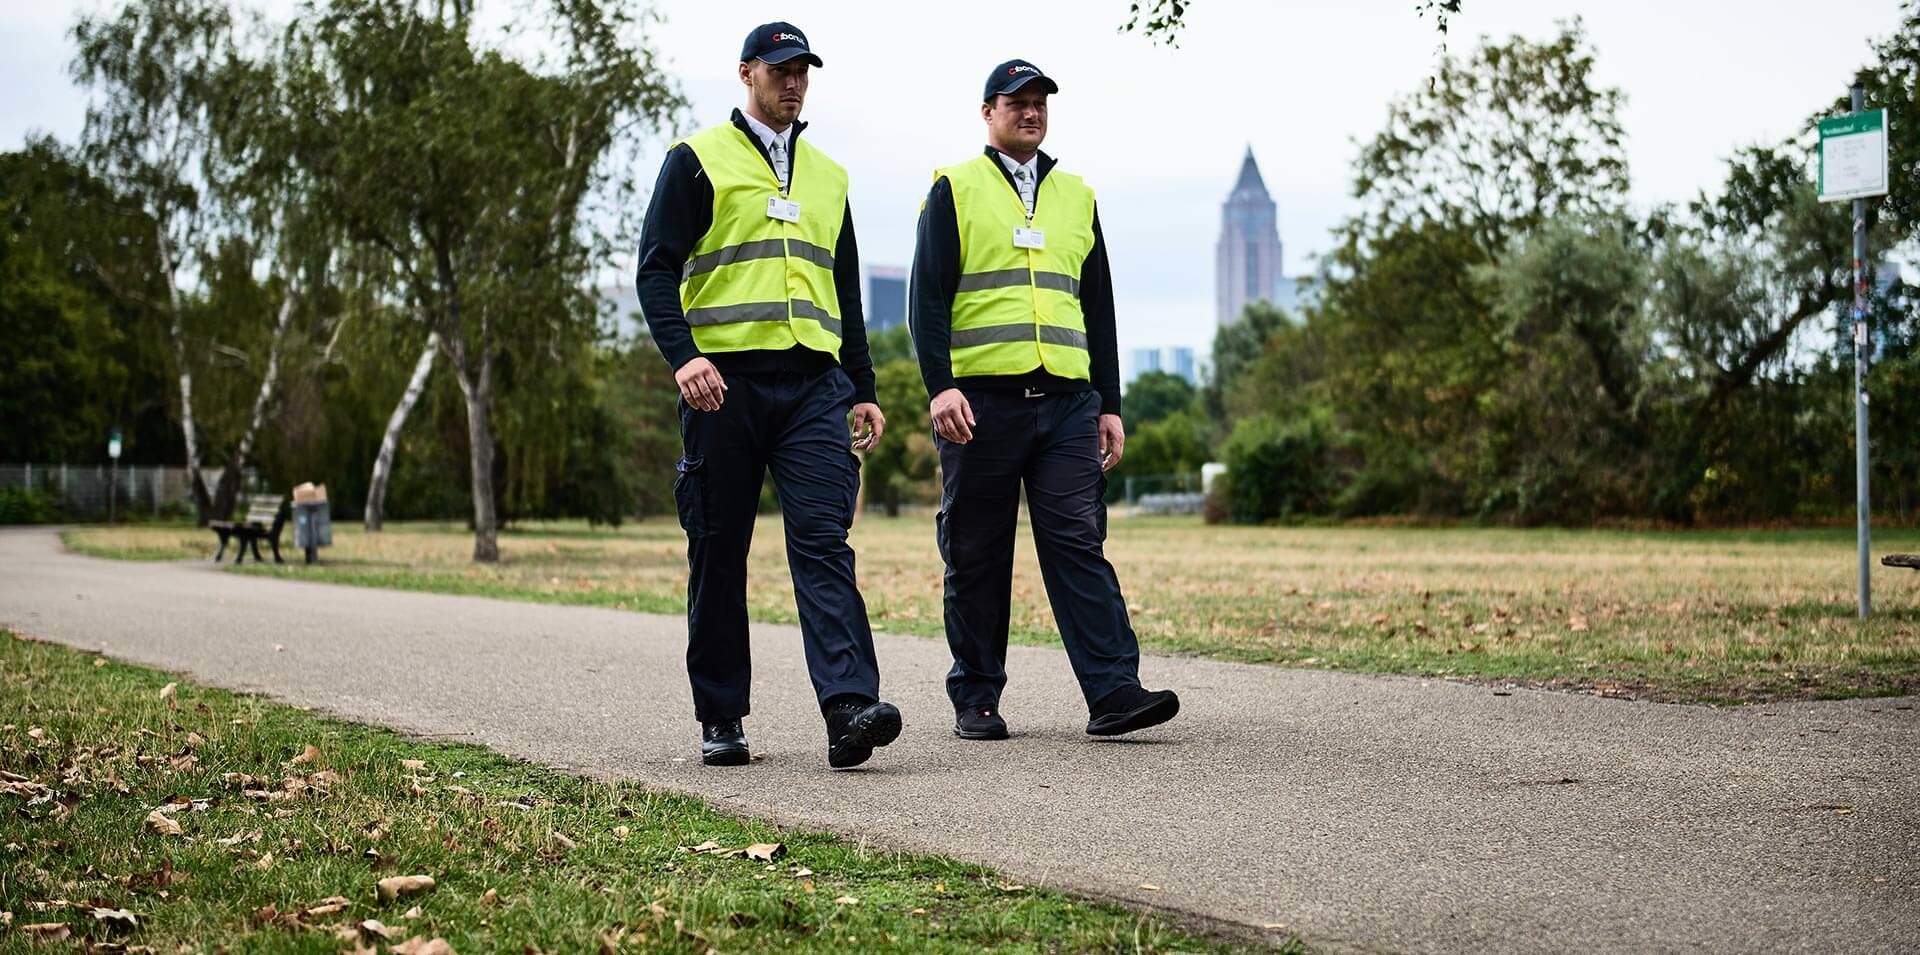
1159, 132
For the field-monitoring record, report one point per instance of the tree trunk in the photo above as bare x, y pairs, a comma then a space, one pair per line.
383, 464
202, 505
236, 469
477, 388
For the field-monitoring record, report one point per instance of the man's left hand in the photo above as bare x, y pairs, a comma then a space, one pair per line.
1113, 440
868, 423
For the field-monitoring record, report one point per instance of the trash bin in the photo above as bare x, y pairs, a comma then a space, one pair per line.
312, 527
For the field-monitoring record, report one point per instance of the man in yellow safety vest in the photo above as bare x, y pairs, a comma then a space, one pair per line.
1013, 322
750, 283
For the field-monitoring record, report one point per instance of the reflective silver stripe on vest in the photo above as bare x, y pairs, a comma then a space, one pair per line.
1009, 278
1058, 282
762, 312
1017, 332
981, 281
805, 309
812, 253
761, 249
731, 314
1070, 337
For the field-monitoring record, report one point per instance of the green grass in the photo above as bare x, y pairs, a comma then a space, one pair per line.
521, 856
1712, 616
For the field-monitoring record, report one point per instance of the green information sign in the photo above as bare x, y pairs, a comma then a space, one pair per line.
1853, 156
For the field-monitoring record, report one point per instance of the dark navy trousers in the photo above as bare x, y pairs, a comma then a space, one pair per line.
1051, 444
795, 424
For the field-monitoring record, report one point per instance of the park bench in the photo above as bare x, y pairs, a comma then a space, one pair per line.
265, 515
1910, 561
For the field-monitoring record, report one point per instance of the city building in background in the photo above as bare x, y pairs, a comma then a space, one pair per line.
1247, 262
1143, 360
1180, 362
886, 303
1174, 360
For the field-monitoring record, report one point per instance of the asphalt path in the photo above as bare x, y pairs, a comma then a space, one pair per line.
1362, 813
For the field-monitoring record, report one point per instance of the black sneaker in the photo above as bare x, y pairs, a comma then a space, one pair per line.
979, 723
723, 744
1131, 708
855, 728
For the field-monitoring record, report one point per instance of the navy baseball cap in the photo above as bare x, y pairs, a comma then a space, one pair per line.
1013, 74
777, 42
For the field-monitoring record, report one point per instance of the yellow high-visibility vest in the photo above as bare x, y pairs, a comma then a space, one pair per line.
1017, 309
755, 281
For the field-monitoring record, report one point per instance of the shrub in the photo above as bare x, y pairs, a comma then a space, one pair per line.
1278, 468
19, 505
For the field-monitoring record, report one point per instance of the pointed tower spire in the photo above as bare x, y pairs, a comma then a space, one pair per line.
1250, 180
1247, 259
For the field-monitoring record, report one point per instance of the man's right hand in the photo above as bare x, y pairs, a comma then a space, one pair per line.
952, 416
700, 383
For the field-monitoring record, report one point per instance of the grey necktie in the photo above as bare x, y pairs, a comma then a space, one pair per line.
777, 149
1024, 180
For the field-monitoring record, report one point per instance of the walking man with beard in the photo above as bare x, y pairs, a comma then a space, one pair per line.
1013, 320
750, 283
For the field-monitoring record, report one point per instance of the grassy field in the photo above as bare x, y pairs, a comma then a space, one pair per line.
145, 815
1704, 616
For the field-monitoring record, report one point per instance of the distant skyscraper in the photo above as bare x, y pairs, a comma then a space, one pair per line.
886, 303
1247, 261
1180, 362
1145, 360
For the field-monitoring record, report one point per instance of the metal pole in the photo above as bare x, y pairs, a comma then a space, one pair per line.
1862, 341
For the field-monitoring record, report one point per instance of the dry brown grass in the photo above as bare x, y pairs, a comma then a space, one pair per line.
1672, 615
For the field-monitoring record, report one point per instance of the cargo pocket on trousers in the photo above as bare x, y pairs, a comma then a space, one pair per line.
690, 493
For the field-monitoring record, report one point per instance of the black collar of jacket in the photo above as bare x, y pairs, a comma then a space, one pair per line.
1041, 168
740, 123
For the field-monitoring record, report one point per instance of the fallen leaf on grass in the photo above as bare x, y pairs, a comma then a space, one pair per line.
37, 734
620, 832
265, 863
306, 756
401, 886
846, 900
707, 846
195, 740
562, 843
802, 872
371, 929
766, 851
1013, 888
327, 906
414, 765
117, 919
163, 824
48, 931
166, 692
420, 946
489, 897
414, 913
99, 661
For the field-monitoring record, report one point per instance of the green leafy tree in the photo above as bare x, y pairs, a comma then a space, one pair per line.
1499, 143
483, 222
152, 67
80, 355
1154, 395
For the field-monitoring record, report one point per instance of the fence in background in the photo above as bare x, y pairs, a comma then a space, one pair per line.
84, 491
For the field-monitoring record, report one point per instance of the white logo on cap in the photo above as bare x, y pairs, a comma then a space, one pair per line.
1020, 69
789, 36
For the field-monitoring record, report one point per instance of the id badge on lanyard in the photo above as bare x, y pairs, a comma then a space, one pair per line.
1029, 238
784, 209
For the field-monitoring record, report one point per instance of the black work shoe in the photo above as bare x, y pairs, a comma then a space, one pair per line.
979, 723
855, 728
1131, 708
723, 744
